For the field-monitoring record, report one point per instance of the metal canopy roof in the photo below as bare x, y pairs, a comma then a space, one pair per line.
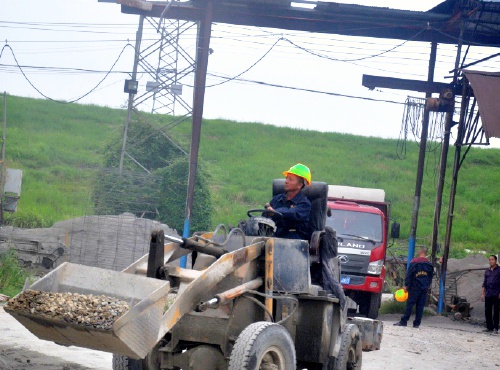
441, 24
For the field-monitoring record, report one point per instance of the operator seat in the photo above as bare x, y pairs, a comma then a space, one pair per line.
317, 193
324, 274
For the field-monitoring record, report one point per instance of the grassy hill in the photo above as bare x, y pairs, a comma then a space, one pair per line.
59, 147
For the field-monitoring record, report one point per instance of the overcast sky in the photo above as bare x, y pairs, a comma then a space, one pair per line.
65, 48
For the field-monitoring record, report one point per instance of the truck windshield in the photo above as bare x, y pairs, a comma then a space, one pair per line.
356, 224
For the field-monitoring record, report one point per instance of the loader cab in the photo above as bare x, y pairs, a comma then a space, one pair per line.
317, 193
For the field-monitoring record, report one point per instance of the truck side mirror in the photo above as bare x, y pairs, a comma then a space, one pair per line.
395, 230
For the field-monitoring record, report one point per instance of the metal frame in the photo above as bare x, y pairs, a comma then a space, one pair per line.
469, 22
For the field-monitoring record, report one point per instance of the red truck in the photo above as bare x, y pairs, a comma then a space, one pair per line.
360, 216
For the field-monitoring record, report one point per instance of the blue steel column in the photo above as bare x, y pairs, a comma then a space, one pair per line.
203, 43
453, 191
421, 160
444, 153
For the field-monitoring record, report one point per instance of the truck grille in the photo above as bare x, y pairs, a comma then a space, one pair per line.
354, 264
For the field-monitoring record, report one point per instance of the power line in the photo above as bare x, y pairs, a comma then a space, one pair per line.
306, 90
309, 36
7, 46
67, 69
353, 59
249, 68
248, 39
72, 24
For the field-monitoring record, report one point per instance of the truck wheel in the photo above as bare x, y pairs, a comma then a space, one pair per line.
369, 304
126, 363
349, 357
374, 305
263, 346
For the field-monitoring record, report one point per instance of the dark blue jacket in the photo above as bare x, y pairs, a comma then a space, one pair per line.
419, 275
491, 282
295, 223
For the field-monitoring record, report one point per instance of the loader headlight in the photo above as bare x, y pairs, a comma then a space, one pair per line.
375, 267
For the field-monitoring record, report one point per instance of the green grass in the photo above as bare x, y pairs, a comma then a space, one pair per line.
59, 147
393, 306
12, 276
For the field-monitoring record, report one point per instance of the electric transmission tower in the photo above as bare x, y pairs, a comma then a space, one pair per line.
163, 67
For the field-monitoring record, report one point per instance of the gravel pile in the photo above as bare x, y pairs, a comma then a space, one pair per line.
88, 310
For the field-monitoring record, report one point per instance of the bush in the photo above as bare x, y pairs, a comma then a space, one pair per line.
173, 197
12, 276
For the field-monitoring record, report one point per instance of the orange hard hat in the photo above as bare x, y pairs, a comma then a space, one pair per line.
400, 295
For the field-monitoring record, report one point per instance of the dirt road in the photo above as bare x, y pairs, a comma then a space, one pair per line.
439, 344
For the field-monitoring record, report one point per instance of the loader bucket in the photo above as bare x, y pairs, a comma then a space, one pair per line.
134, 334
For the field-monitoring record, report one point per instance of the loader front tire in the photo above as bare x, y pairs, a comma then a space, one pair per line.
350, 352
262, 346
126, 363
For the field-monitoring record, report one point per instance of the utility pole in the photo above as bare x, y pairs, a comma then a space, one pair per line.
421, 159
131, 94
202, 51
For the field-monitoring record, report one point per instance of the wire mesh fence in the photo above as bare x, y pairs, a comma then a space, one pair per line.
113, 231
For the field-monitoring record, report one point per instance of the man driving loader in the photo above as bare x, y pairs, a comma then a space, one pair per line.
291, 209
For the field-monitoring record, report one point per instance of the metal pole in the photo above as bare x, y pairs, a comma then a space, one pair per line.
453, 191
421, 159
442, 171
138, 39
203, 43
4, 137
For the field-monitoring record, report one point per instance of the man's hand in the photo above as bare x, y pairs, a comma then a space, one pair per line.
482, 297
269, 208
405, 289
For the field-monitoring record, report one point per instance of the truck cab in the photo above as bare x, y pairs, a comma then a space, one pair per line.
360, 218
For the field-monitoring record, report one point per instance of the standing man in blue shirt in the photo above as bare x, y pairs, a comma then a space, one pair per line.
293, 205
491, 295
418, 279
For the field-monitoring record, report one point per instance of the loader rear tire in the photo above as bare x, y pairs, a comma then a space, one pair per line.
262, 346
126, 363
350, 352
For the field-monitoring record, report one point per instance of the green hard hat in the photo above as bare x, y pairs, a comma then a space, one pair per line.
300, 170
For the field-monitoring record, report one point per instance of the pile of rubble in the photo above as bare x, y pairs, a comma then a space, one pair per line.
99, 312
469, 273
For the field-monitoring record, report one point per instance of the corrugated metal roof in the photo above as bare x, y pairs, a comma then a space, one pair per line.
486, 87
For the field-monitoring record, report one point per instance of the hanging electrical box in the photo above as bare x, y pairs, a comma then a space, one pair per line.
12, 189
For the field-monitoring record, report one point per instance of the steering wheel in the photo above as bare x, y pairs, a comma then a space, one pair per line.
265, 213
